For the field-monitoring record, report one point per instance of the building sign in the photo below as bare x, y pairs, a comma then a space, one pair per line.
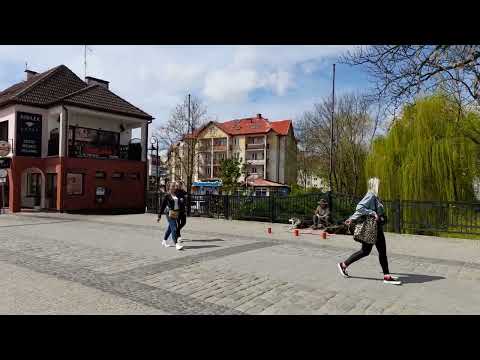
93, 143
74, 184
5, 163
29, 134
3, 173
4, 148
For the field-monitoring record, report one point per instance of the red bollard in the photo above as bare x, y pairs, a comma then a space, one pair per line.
324, 235
269, 230
296, 232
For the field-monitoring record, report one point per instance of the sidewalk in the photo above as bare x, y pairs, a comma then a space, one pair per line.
462, 250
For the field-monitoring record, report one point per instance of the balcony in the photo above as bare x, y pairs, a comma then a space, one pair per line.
204, 148
259, 146
256, 162
219, 147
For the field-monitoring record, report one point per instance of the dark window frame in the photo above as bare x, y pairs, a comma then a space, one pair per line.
36, 189
100, 172
121, 177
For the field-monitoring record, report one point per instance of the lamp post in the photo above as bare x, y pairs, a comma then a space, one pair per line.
154, 140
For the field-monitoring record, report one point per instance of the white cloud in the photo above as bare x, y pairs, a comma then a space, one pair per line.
156, 78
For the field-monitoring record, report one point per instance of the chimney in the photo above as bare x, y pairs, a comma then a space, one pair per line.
30, 73
259, 116
94, 81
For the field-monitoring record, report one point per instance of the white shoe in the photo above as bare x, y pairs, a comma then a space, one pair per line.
179, 240
164, 243
392, 280
179, 246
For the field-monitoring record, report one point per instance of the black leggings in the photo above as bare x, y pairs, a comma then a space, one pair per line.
181, 222
367, 248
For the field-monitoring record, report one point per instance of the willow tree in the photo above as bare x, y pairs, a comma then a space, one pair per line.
427, 154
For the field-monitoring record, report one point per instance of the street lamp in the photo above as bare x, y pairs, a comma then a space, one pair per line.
154, 140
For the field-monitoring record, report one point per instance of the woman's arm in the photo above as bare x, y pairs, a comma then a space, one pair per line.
364, 207
163, 206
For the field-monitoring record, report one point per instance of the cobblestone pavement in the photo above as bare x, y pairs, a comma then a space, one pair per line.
117, 263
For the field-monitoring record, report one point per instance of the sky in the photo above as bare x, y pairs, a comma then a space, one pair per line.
279, 82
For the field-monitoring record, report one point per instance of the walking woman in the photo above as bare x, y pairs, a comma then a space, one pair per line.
171, 202
370, 205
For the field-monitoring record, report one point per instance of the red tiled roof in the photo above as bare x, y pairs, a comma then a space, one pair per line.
266, 183
61, 85
281, 126
250, 126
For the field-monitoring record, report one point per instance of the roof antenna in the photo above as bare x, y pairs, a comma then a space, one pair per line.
26, 66
85, 48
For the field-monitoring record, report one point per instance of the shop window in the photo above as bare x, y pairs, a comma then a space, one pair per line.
260, 192
117, 175
100, 175
74, 184
33, 185
4, 131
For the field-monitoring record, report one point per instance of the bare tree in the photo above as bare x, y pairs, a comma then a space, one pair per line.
178, 137
353, 131
400, 72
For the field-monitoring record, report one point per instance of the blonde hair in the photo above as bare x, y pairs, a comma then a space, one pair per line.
373, 185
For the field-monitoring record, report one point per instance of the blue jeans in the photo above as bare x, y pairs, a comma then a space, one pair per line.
171, 229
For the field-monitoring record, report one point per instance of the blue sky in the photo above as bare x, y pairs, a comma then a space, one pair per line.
280, 82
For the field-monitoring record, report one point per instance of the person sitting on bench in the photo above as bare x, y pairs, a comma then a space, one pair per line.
322, 215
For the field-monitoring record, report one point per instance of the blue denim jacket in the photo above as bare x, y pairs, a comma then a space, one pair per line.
366, 206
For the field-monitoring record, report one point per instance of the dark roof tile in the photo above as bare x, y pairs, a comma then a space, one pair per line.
61, 85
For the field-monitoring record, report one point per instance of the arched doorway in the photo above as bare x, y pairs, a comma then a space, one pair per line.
33, 189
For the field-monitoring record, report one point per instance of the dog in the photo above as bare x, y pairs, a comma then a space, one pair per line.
296, 223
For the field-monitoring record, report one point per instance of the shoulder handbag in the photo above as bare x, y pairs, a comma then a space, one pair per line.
173, 214
366, 231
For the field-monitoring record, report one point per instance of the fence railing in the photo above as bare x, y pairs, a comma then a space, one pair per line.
414, 217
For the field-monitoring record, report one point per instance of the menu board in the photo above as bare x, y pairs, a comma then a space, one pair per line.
74, 184
29, 134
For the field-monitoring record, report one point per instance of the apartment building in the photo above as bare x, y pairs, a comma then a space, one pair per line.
268, 148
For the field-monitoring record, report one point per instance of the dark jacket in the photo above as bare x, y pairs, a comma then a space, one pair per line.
168, 201
182, 199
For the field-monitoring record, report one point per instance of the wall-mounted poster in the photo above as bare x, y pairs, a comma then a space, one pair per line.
74, 184
29, 134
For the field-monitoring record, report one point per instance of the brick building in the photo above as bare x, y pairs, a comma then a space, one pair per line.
71, 145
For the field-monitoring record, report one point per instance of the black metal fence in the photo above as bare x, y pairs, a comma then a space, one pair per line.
414, 217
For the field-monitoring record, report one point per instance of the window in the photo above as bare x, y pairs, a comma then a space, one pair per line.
74, 184
254, 170
261, 192
33, 185
134, 176
4, 131
100, 175
209, 171
117, 175
254, 156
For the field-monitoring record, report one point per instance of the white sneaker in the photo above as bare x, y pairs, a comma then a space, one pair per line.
166, 244
179, 246
179, 240
392, 280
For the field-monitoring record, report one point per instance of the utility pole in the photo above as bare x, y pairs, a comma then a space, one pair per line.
190, 157
331, 130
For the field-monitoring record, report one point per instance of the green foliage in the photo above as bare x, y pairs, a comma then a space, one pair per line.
426, 155
230, 172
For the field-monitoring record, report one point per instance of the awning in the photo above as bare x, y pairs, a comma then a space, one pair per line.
207, 184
